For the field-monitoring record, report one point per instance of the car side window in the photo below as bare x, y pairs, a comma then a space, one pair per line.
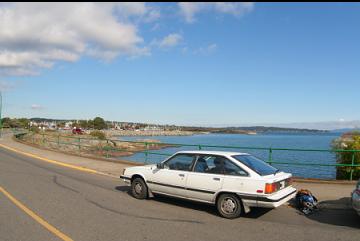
217, 165
181, 162
231, 169
209, 164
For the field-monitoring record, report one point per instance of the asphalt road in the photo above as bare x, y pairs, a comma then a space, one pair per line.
92, 207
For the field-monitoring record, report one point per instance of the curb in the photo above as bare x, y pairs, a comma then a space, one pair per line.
319, 181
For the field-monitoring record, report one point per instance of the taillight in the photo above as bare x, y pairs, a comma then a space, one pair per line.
271, 187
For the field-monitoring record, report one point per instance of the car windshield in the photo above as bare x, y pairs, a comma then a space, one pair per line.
259, 166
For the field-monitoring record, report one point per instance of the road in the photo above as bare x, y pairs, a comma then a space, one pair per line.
85, 206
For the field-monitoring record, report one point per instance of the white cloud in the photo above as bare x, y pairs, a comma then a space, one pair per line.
190, 9
136, 9
128, 9
168, 41
153, 15
37, 35
36, 107
209, 49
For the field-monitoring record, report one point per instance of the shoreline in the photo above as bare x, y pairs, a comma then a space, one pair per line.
90, 146
117, 133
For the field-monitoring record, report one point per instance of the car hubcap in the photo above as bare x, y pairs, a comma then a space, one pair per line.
138, 188
228, 205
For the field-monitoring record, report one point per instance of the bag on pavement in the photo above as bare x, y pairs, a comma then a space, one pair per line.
306, 202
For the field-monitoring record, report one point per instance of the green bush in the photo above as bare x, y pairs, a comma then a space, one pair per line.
348, 141
99, 123
98, 134
15, 123
34, 129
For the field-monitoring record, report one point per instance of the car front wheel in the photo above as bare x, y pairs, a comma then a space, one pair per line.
229, 206
139, 189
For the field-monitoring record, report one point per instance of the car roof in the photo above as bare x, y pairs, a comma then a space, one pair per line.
222, 153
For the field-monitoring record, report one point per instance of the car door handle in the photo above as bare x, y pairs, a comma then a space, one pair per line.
182, 175
216, 179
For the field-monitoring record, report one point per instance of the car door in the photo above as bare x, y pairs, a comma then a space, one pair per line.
171, 179
236, 179
206, 179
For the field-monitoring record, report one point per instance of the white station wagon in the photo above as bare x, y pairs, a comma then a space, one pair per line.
232, 181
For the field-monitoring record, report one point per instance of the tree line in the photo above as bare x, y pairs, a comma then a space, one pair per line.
97, 123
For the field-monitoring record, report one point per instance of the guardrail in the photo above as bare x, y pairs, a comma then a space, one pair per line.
109, 147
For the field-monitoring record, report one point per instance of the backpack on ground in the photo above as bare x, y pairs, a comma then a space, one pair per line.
306, 202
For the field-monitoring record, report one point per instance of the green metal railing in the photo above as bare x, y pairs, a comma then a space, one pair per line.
147, 149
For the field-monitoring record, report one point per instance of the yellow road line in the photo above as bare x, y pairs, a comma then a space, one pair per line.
51, 161
36, 217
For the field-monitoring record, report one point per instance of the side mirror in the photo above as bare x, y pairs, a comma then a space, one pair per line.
160, 165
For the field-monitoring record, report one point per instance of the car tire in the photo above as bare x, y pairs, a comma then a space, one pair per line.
229, 205
139, 188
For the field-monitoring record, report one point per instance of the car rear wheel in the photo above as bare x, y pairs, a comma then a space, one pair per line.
229, 206
139, 189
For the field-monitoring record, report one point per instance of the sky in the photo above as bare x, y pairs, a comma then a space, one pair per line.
204, 64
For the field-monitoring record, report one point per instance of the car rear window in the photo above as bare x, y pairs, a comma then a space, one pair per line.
257, 165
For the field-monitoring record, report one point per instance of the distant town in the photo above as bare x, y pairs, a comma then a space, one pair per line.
99, 123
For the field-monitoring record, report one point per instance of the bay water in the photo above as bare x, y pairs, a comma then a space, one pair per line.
274, 140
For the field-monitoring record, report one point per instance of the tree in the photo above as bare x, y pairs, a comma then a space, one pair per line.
60, 124
12, 123
348, 141
6, 121
83, 124
24, 122
99, 123
90, 124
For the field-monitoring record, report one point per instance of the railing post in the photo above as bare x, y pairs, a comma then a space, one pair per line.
146, 152
270, 155
352, 166
43, 138
79, 139
107, 152
58, 140
200, 147
107, 148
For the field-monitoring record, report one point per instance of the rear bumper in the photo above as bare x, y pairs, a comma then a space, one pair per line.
276, 200
271, 201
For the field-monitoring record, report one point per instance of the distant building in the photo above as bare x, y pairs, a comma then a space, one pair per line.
68, 125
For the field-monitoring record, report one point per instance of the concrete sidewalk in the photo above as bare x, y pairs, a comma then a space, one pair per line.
331, 195
111, 168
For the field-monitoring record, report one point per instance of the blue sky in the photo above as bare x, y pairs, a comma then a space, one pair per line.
194, 65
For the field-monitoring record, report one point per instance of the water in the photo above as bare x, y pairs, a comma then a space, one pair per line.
297, 141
